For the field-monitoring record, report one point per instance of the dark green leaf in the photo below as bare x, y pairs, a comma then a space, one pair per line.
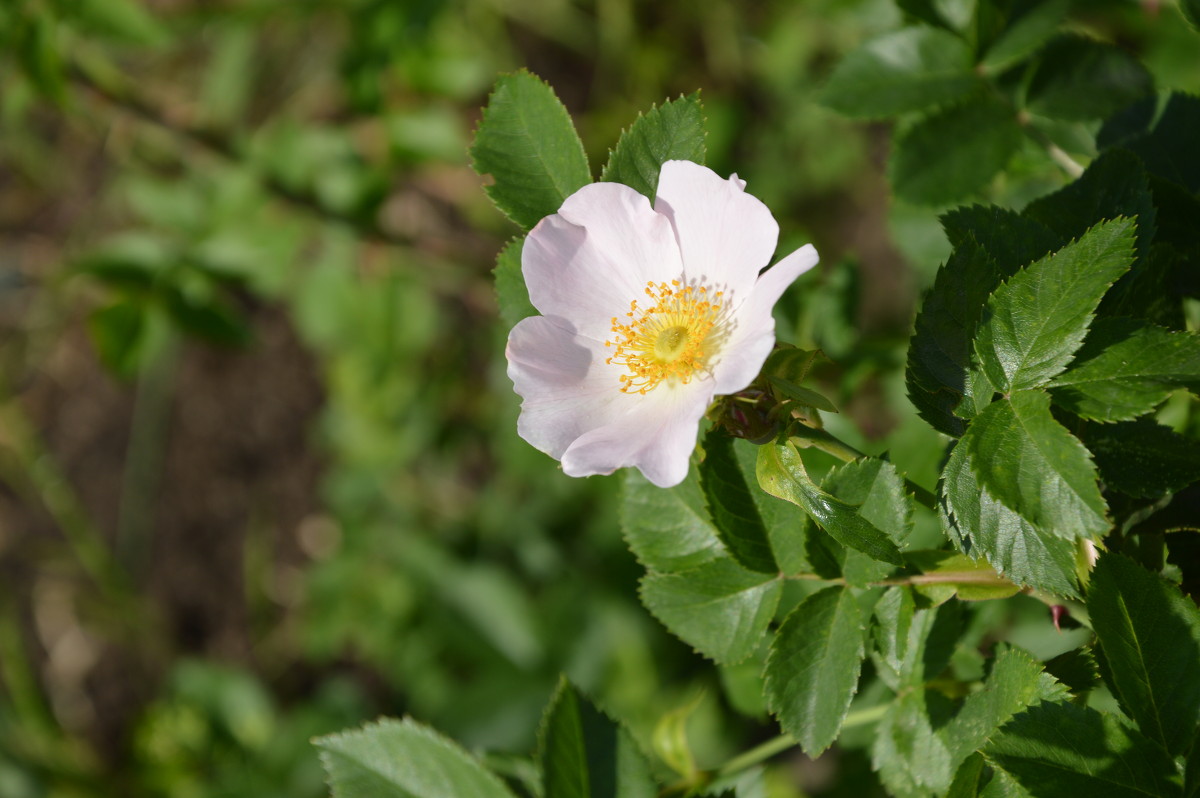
1076, 669
1191, 12
527, 143
1143, 458
1034, 323
906, 70
1169, 149
1126, 369
668, 529
673, 132
912, 645
584, 754
1150, 634
781, 473
1113, 185
955, 151
720, 608
1033, 465
787, 526
1078, 78
812, 670
924, 10
966, 780
1024, 26
979, 524
511, 294
991, 244
796, 393
117, 332
1061, 749
731, 506
211, 320
402, 759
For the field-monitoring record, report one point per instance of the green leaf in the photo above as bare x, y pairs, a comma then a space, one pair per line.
787, 525
1078, 78
1076, 669
209, 319
720, 608
1113, 185
1055, 749
1150, 634
910, 758
120, 20
1016, 682
1191, 12
1168, 145
781, 473
731, 506
1126, 369
1143, 458
1027, 29
955, 151
527, 143
966, 780
402, 759
906, 70
118, 334
511, 295
673, 132
668, 529
877, 490
912, 645
979, 524
990, 244
1033, 465
799, 394
1034, 323
585, 754
923, 740
812, 669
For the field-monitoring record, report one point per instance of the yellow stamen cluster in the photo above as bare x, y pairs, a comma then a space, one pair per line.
671, 340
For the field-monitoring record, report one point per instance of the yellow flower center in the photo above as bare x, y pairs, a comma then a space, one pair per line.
672, 339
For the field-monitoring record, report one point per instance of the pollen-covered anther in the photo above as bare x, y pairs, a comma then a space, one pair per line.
672, 340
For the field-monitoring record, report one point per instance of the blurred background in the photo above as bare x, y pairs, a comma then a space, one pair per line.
259, 475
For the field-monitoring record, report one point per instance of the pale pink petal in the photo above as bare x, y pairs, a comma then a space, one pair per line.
657, 437
591, 259
726, 236
567, 387
753, 332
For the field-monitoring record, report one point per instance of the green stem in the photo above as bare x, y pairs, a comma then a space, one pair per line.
811, 437
776, 745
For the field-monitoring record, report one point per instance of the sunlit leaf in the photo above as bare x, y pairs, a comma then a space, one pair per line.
672, 131
720, 608
1036, 321
812, 669
1033, 465
528, 144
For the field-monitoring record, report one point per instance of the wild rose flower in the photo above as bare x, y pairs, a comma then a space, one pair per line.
647, 314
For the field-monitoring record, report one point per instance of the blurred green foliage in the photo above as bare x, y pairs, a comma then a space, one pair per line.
174, 173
